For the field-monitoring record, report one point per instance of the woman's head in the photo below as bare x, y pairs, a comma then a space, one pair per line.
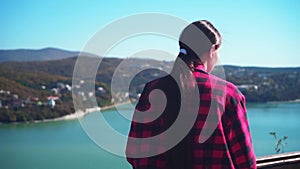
199, 43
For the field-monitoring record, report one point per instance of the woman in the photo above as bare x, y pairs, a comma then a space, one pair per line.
219, 136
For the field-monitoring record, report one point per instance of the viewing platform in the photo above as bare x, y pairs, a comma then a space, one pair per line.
280, 161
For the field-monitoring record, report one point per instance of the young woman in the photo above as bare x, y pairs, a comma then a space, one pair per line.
218, 136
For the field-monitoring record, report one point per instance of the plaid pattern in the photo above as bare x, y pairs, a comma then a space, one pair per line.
229, 144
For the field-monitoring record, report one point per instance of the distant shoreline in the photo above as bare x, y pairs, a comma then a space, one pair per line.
73, 116
288, 101
81, 114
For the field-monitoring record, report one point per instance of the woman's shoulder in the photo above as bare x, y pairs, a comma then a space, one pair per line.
161, 81
229, 88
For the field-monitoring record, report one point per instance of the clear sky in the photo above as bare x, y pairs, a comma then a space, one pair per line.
255, 33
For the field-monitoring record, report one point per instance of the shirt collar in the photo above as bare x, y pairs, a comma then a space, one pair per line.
200, 68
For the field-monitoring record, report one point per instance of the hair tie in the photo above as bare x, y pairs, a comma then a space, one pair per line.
183, 51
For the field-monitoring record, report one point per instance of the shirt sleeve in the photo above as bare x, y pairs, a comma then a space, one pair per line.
135, 131
238, 134
140, 129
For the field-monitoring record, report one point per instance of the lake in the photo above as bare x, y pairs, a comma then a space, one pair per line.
64, 144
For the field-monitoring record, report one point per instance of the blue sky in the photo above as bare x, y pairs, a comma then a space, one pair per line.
255, 33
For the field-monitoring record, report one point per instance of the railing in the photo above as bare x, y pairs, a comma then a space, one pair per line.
280, 161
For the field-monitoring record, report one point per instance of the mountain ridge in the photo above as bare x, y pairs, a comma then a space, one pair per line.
26, 87
52, 53
43, 54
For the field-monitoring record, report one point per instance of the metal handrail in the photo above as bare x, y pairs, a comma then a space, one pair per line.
279, 161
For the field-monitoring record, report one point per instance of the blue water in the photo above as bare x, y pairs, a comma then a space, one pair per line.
283, 118
64, 144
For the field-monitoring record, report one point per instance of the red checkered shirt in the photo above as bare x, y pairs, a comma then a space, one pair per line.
228, 146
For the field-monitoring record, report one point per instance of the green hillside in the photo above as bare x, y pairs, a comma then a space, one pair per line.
25, 90
28, 88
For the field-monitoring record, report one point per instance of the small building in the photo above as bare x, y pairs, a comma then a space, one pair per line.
51, 103
91, 94
39, 103
52, 97
101, 90
15, 96
68, 87
54, 91
246, 87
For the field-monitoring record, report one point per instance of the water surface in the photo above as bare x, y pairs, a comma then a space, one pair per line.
64, 144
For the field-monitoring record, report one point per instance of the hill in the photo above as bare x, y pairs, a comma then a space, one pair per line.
261, 84
25, 55
29, 89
